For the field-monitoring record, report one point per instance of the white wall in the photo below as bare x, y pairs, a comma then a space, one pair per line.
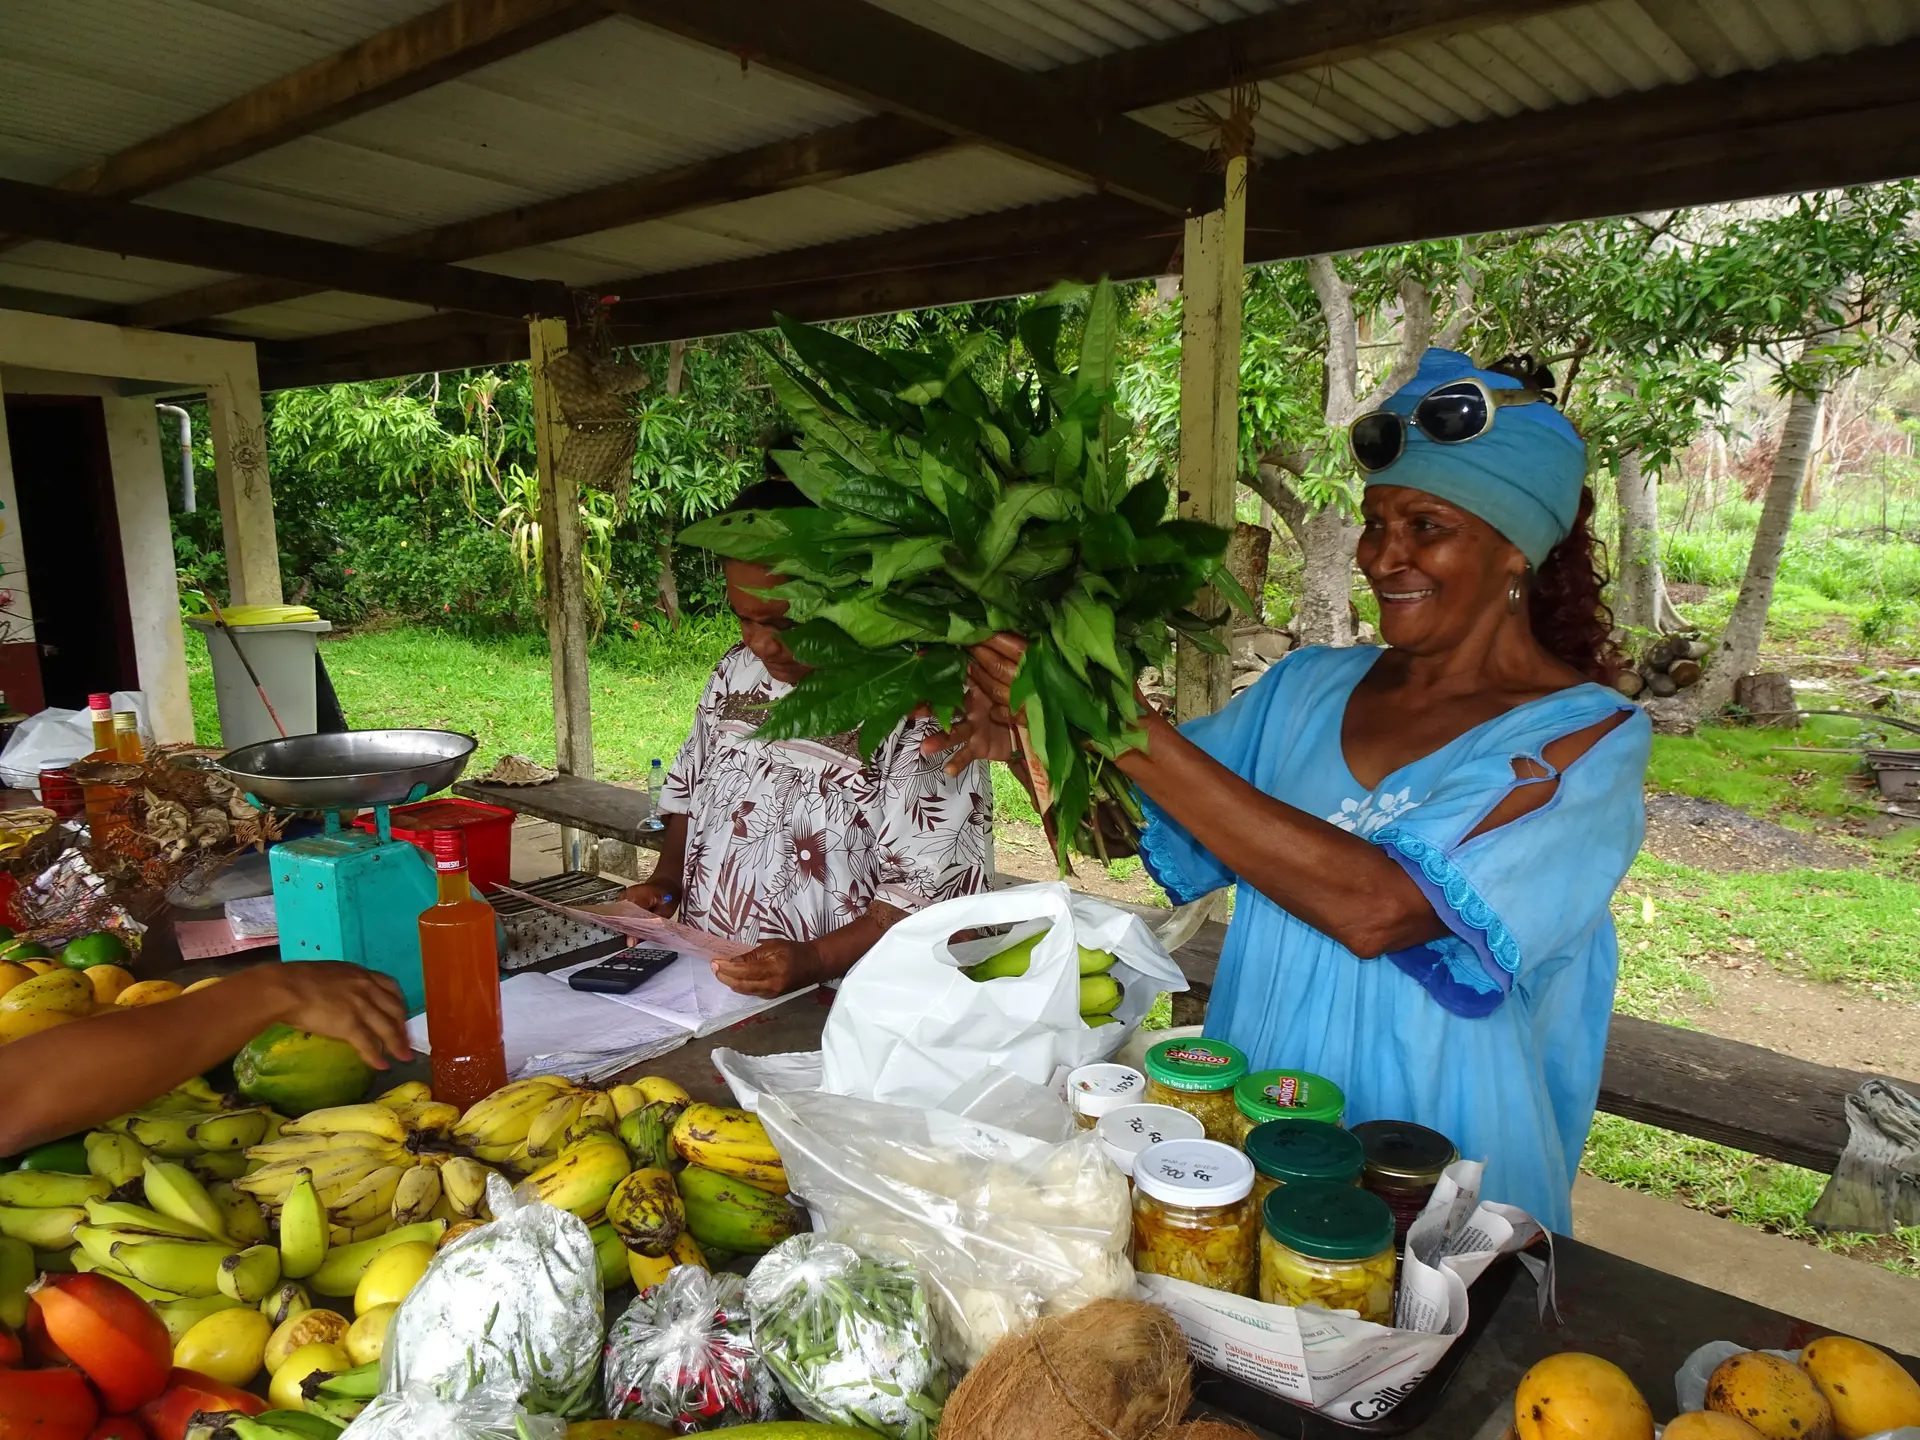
16, 613
146, 545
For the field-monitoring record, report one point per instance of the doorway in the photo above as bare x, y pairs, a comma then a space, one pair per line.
70, 531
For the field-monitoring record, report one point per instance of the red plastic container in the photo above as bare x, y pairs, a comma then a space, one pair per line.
489, 831
61, 793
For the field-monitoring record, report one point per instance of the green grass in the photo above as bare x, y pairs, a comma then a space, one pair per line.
644, 690
1732, 1184
1748, 768
1852, 927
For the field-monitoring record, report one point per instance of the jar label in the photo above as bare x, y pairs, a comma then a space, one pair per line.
1284, 1092
1197, 1057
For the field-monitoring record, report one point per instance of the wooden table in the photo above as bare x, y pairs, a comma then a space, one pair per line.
613, 812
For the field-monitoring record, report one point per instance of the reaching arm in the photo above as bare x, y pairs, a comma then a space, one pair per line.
776, 966
75, 1076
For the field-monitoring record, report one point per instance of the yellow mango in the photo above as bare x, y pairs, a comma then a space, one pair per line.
1777, 1399
1579, 1397
1709, 1425
1867, 1388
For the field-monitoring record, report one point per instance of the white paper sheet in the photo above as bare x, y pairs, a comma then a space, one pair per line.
688, 993
552, 1029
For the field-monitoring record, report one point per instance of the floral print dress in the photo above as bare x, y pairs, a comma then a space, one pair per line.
791, 839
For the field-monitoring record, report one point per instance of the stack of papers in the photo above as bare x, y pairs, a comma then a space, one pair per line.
552, 1029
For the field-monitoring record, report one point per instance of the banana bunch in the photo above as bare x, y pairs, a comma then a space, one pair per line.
370, 1167
39, 1208
730, 1142
495, 1130
181, 1245
194, 1123
583, 1176
273, 1425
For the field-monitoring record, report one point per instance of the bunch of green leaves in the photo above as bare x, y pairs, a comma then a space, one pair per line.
947, 511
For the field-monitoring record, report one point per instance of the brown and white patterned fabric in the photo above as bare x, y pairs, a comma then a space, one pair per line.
792, 839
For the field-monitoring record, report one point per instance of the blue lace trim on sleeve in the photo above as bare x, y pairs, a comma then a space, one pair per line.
1162, 842
1451, 972
1457, 902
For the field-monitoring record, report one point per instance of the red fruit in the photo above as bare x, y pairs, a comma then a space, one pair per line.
188, 1392
46, 1405
40, 1349
10, 1353
119, 1427
114, 1336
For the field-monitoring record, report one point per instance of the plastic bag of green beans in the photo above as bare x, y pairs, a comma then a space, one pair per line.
848, 1337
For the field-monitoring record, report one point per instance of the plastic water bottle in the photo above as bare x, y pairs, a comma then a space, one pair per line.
656, 789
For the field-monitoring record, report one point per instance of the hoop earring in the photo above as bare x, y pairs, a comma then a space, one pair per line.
1515, 594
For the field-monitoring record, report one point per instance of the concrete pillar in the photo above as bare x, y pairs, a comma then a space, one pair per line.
564, 572
146, 547
19, 656
246, 492
1210, 286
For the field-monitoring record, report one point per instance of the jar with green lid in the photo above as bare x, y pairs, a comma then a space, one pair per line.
1193, 1215
1287, 1095
1198, 1075
1404, 1163
1328, 1245
1285, 1152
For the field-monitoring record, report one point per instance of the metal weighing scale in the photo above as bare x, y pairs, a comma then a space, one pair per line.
349, 894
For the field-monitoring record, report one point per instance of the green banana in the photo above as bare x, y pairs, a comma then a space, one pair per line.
231, 1130
341, 1396
303, 1229
116, 1159
279, 1425
1094, 1022
186, 1267
250, 1275
43, 1229
138, 1220
180, 1316
1095, 962
16, 1273
243, 1221
729, 1214
343, 1266
289, 1300
84, 1264
647, 1133
166, 1132
1099, 994
45, 1189
212, 1165
611, 1254
1012, 961
177, 1193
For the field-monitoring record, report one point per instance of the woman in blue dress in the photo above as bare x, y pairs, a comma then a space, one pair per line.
1424, 837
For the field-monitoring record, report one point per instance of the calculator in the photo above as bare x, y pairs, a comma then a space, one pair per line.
624, 971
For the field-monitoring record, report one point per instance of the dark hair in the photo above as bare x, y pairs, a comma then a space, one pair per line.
1564, 605
778, 436
1530, 372
772, 494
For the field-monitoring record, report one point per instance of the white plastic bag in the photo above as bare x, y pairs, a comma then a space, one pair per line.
682, 1356
416, 1411
54, 737
1003, 1227
513, 1309
909, 1028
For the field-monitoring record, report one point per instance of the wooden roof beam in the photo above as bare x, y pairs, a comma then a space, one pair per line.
858, 50
90, 222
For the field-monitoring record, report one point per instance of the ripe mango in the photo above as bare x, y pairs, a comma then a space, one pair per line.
1775, 1398
1579, 1397
1709, 1425
1867, 1388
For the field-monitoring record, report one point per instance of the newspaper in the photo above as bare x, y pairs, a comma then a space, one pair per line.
628, 919
1333, 1361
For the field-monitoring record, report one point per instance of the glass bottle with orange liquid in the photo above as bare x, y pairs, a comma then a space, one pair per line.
462, 974
127, 746
105, 803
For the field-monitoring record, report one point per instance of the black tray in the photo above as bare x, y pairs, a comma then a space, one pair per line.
1290, 1418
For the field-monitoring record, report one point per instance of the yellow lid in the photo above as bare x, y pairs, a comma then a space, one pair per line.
264, 615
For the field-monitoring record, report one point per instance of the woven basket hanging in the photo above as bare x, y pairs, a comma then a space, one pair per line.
592, 386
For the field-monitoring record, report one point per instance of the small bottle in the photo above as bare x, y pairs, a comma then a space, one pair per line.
461, 972
105, 803
656, 789
126, 738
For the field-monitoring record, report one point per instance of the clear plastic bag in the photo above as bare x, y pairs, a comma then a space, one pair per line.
484, 1414
1002, 1226
682, 1356
848, 1337
512, 1309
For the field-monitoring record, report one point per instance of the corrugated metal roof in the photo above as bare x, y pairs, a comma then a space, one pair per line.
617, 100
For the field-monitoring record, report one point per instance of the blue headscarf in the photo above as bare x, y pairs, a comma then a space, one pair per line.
1523, 476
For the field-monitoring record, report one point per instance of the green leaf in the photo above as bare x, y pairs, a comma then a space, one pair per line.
872, 693
882, 500
869, 619
834, 357
1090, 624
1145, 505
904, 558
1107, 542
810, 476
1231, 590
1016, 507
1099, 341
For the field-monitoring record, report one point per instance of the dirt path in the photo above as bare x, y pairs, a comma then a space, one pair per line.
1710, 836
1826, 1024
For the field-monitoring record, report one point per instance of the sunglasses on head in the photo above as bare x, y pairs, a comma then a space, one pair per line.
1450, 414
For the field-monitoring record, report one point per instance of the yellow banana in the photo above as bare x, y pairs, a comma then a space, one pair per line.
656, 1087
339, 1235
168, 1133
342, 1269
186, 1267
288, 1299
369, 1118
250, 1275
43, 1229
116, 1159
428, 1117
198, 1093
511, 1158
645, 1211
416, 1194
464, 1182
729, 1162
175, 1192
305, 1149
411, 1092
647, 1270
704, 1129
96, 1245
303, 1229
231, 1130
582, 1178
138, 1220
626, 1099
544, 1135
686, 1251
245, 1223
212, 1165
85, 1264
44, 1189
369, 1200
599, 1105
503, 1117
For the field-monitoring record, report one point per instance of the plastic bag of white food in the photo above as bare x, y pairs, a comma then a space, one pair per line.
512, 1309
1003, 1227
682, 1356
484, 1414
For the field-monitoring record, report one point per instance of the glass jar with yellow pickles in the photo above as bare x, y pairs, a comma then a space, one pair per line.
1125, 1132
1285, 1152
1198, 1075
1193, 1215
1330, 1246
1096, 1090
1287, 1095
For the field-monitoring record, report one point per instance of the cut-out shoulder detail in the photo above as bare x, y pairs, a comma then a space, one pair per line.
1540, 782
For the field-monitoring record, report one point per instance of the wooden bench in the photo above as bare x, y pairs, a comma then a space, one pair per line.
613, 812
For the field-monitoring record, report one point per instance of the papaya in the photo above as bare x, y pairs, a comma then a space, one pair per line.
1777, 1399
1572, 1396
1867, 1388
295, 1071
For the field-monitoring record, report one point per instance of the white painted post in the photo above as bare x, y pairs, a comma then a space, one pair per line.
564, 572
246, 490
16, 609
146, 547
1210, 284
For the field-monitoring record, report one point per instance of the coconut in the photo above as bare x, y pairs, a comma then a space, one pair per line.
1212, 1430
1111, 1370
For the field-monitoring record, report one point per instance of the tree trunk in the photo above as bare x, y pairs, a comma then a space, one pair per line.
1739, 648
666, 590
1640, 588
1325, 613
